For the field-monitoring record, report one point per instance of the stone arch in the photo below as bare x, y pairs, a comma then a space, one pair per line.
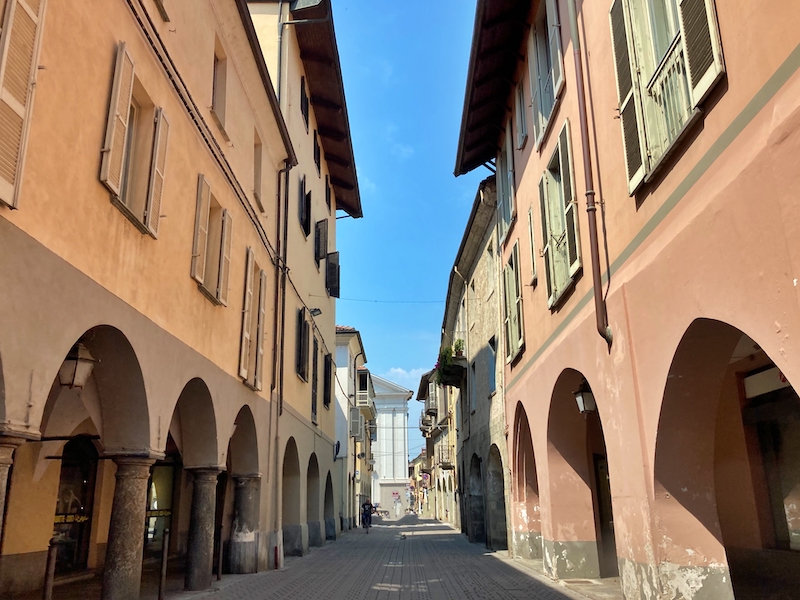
295, 534
497, 531
329, 510
477, 516
582, 536
313, 509
194, 426
243, 445
526, 515
727, 466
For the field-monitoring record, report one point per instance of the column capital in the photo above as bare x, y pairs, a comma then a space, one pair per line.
8, 444
249, 479
208, 474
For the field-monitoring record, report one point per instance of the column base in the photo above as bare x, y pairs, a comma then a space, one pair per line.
316, 532
331, 532
527, 544
295, 540
571, 560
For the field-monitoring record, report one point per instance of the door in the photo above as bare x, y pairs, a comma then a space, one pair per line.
607, 547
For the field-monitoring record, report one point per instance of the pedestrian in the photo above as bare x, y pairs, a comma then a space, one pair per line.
366, 515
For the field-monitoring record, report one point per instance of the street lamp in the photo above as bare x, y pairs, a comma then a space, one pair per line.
76, 368
585, 399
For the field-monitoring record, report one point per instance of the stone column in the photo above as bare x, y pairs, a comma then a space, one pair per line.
7, 447
243, 553
200, 553
123, 566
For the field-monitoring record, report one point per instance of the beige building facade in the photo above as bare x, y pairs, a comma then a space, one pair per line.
649, 361
148, 357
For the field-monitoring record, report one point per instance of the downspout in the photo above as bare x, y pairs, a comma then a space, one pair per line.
600, 308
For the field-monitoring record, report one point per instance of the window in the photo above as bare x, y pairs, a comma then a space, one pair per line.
328, 193
320, 240
668, 57
505, 185
19, 32
332, 274
135, 149
317, 154
251, 353
304, 101
219, 88
304, 206
473, 387
211, 250
301, 344
512, 315
258, 162
314, 380
561, 251
492, 365
490, 272
327, 381
532, 240
545, 67
519, 111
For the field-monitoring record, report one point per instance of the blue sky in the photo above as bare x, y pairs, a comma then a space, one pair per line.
404, 67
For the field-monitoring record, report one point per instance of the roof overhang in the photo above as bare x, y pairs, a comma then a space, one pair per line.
497, 38
422, 392
344, 332
320, 56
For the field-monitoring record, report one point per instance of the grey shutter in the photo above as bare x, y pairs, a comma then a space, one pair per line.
332, 274
630, 109
532, 239
19, 51
516, 308
701, 46
508, 303
201, 229
155, 188
547, 249
314, 379
321, 240
114, 147
501, 181
328, 381
355, 420
262, 322
533, 73
556, 55
570, 202
244, 348
511, 184
224, 274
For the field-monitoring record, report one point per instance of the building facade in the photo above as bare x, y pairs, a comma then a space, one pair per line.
649, 362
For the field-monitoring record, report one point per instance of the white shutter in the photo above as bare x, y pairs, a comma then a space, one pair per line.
630, 106
532, 240
536, 107
500, 184
507, 304
201, 229
515, 301
511, 184
224, 274
155, 189
519, 111
355, 413
19, 51
117, 127
262, 318
570, 202
701, 46
547, 250
244, 350
360, 428
556, 55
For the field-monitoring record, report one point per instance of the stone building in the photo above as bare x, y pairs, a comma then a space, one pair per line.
147, 331
648, 341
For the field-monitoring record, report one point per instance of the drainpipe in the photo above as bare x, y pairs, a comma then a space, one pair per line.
591, 208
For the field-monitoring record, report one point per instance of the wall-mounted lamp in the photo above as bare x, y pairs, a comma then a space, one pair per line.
315, 312
585, 399
76, 368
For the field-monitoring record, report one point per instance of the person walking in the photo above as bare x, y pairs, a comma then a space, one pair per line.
366, 515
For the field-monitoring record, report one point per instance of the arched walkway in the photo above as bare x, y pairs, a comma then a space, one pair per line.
330, 514
295, 533
526, 515
727, 467
240, 521
497, 534
316, 526
582, 541
477, 528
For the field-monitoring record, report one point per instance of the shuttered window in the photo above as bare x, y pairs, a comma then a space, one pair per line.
155, 190
251, 349
20, 34
304, 206
512, 314
560, 231
320, 240
314, 379
667, 57
505, 184
211, 249
532, 246
304, 101
247, 316
301, 344
332, 274
545, 67
327, 381
519, 111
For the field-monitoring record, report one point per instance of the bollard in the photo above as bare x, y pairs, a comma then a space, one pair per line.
50, 573
162, 584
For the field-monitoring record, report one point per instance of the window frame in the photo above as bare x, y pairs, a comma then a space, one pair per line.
513, 306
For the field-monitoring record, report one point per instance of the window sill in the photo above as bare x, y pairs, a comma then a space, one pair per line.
218, 121
547, 126
505, 239
301, 378
123, 208
492, 394
209, 295
522, 142
662, 160
565, 293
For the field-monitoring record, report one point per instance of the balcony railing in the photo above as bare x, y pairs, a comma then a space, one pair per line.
667, 105
444, 457
365, 403
430, 406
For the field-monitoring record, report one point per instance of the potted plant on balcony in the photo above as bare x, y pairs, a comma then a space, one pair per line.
458, 347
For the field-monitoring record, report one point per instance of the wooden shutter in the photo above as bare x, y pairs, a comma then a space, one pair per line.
532, 239
547, 249
701, 46
510, 183
556, 55
321, 240
262, 322
155, 189
223, 277
117, 128
519, 111
572, 232
332, 274
355, 421
244, 350
314, 379
301, 201
507, 303
516, 307
201, 229
328, 380
533, 72
19, 52
630, 108
500, 183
